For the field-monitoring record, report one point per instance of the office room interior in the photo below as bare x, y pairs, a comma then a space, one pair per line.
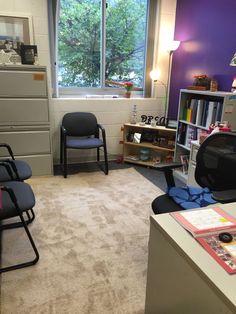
93, 230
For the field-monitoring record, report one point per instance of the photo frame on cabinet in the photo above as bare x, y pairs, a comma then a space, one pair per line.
14, 30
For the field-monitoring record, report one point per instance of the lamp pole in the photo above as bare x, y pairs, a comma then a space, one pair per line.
168, 83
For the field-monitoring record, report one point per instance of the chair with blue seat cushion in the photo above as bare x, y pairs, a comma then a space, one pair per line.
12, 169
80, 130
21, 170
215, 174
15, 199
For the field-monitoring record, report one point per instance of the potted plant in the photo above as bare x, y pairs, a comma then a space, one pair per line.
202, 81
128, 87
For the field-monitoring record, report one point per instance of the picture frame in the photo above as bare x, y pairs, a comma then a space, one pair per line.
137, 138
185, 162
14, 31
28, 54
171, 124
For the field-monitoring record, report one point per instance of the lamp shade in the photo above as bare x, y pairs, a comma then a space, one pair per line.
155, 75
173, 45
233, 61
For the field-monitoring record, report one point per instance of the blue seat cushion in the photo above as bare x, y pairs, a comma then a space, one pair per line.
23, 170
84, 143
24, 195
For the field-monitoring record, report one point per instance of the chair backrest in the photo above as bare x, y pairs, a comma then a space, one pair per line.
80, 123
216, 162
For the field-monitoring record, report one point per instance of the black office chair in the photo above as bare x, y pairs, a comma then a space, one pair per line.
80, 130
215, 170
15, 199
20, 169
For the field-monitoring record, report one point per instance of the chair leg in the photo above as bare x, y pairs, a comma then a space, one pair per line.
105, 160
98, 154
25, 264
61, 152
65, 162
14, 225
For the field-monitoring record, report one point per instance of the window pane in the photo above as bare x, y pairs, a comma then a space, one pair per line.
79, 40
126, 40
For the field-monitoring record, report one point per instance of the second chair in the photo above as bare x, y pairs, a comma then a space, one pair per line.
80, 130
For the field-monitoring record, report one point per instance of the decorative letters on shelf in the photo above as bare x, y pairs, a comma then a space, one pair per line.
148, 120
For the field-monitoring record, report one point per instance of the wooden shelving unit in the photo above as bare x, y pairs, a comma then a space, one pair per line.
159, 141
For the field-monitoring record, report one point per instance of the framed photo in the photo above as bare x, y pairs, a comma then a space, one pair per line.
14, 31
171, 124
28, 54
185, 161
137, 138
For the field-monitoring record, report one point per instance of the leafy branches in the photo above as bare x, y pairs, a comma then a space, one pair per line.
80, 41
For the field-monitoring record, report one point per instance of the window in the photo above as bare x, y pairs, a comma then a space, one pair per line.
102, 44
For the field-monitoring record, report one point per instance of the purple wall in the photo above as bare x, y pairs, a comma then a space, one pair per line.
206, 31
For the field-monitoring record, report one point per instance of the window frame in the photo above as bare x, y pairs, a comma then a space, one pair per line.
151, 28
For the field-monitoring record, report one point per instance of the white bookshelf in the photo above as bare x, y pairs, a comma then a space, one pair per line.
197, 110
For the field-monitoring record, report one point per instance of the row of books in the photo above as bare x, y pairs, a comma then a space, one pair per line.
202, 112
187, 133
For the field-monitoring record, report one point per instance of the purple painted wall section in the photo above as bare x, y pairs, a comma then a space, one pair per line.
206, 29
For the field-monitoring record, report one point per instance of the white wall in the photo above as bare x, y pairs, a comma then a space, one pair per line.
112, 113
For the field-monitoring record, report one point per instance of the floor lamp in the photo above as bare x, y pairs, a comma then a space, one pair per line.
171, 48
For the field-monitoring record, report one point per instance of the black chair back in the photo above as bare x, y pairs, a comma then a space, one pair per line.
80, 124
216, 162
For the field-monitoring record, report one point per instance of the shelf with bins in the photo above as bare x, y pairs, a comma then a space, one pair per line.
197, 111
156, 144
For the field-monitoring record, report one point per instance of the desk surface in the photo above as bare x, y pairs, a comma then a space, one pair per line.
222, 282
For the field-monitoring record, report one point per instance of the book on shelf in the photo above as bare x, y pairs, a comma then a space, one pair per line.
206, 225
191, 135
209, 113
194, 107
181, 133
199, 111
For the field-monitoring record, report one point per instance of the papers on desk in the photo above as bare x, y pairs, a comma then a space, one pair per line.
206, 225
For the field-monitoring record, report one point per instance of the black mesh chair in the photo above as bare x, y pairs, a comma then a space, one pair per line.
80, 130
215, 170
20, 169
15, 199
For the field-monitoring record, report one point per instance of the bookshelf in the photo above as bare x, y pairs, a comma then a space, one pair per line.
197, 110
155, 144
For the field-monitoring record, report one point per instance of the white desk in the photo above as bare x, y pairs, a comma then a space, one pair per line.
182, 277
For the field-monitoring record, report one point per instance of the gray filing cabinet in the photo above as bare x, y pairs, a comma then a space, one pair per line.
24, 115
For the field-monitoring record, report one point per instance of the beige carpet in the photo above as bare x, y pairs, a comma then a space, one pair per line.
92, 234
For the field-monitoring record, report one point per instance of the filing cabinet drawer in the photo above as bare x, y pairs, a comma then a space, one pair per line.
15, 83
23, 111
27, 142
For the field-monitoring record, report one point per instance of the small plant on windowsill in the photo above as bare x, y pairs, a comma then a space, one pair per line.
128, 87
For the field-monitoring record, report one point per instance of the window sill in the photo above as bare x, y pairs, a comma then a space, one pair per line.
89, 97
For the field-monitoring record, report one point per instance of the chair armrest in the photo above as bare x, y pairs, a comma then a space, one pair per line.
8, 147
170, 165
8, 168
63, 132
12, 196
167, 168
13, 166
227, 196
103, 130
